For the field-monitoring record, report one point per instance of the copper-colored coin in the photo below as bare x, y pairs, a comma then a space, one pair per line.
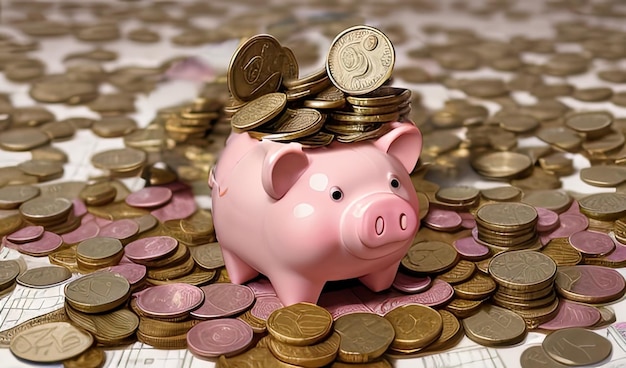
300, 324
170, 301
257, 357
364, 337
522, 270
90, 358
223, 300
415, 325
590, 284
577, 347
210, 339
495, 326
317, 355
43, 277
479, 287
461, 272
430, 256
97, 292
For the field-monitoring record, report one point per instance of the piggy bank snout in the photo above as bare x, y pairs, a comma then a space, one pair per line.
386, 219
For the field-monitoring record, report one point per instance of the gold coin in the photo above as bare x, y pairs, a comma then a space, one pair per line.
555, 200
316, 355
523, 270
460, 273
259, 111
119, 160
43, 277
9, 270
382, 96
535, 356
13, 196
44, 210
49, 153
561, 137
430, 257
157, 328
98, 193
577, 347
258, 357
97, 292
604, 206
360, 60
196, 277
536, 316
99, 249
502, 194
364, 337
479, 287
502, 165
561, 252
90, 358
208, 256
255, 68
294, 124
463, 308
592, 124
113, 126
300, 324
163, 342
50, 342
506, 216
380, 363
173, 271
43, 170
603, 176
495, 326
415, 325
116, 325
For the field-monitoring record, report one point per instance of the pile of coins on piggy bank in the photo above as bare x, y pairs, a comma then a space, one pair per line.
489, 264
344, 101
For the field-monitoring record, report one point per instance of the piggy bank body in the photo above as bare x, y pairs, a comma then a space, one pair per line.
304, 216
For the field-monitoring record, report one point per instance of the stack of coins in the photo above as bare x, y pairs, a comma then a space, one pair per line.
507, 225
194, 230
525, 281
619, 230
301, 334
51, 213
190, 122
95, 302
365, 116
98, 252
164, 314
313, 110
163, 256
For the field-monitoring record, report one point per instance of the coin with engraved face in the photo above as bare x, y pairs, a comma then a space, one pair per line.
360, 60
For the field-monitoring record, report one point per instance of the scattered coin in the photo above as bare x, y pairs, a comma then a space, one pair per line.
69, 342
576, 347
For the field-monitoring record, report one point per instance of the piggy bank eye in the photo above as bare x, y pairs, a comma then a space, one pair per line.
395, 183
336, 194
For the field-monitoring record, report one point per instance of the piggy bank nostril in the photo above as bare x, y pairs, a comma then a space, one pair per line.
403, 221
380, 225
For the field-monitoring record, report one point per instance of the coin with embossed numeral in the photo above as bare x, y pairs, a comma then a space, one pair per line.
50, 342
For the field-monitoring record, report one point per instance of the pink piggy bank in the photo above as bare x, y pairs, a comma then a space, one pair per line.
306, 216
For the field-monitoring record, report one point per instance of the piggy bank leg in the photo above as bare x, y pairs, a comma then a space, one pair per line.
382, 279
292, 289
238, 270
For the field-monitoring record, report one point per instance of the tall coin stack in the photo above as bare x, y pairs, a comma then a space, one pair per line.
346, 101
507, 225
525, 281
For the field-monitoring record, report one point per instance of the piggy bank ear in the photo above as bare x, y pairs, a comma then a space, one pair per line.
282, 168
403, 142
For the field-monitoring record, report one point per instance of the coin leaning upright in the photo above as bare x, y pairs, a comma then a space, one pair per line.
360, 60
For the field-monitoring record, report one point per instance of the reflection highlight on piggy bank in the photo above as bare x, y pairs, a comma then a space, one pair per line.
304, 216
